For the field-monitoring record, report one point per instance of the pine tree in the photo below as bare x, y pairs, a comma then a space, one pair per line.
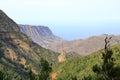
45, 70
106, 71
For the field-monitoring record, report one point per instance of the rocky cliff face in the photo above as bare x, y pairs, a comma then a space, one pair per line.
41, 35
41, 31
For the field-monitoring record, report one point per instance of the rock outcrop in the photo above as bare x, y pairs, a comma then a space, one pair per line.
62, 56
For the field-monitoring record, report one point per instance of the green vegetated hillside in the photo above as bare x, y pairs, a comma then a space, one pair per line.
19, 55
18, 52
82, 66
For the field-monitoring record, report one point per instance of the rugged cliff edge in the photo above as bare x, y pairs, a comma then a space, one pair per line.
41, 35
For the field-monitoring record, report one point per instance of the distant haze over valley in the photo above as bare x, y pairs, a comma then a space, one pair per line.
69, 19
75, 33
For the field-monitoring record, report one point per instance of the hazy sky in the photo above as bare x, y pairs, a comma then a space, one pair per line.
69, 19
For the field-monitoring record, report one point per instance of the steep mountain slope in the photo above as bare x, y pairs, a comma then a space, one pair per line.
82, 66
44, 37
18, 52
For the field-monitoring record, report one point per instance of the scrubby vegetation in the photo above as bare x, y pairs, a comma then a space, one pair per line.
101, 65
106, 70
22, 59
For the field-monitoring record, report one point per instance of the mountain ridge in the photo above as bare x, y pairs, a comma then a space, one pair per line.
81, 46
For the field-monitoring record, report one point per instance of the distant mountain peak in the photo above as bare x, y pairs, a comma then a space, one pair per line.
38, 30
